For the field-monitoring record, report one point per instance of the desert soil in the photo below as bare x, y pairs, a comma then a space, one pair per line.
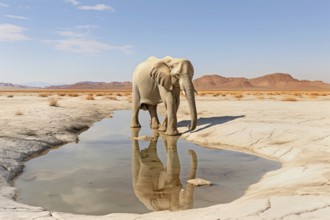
293, 133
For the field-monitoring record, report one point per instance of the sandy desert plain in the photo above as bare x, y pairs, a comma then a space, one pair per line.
291, 127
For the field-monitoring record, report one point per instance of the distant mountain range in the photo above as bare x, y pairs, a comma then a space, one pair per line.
10, 86
95, 85
275, 81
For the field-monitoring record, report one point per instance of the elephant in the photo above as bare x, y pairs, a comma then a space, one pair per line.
158, 80
158, 187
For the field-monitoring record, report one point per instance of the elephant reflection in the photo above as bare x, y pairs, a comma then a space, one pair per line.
156, 186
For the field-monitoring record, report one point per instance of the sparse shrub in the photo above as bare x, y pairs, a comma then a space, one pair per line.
239, 96
61, 94
89, 97
112, 98
99, 94
19, 112
261, 97
289, 99
10, 96
73, 94
314, 94
53, 102
43, 95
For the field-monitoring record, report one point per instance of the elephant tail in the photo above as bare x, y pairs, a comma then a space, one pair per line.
193, 167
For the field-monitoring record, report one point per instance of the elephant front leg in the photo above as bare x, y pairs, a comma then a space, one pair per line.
163, 126
171, 118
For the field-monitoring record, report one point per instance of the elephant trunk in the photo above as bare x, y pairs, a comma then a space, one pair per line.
189, 90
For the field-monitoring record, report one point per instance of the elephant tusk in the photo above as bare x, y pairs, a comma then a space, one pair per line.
184, 93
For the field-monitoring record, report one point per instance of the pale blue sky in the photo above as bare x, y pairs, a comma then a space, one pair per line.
66, 41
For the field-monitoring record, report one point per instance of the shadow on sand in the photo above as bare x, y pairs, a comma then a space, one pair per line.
209, 122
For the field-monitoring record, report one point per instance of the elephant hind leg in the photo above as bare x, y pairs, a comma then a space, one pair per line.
154, 124
135, 118
163, 126
135, 110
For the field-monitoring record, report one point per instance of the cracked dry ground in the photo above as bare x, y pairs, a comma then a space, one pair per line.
294, 133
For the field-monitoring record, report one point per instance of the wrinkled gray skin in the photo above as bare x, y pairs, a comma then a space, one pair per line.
160, 80
156, 186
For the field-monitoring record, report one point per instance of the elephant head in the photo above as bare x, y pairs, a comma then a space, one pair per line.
177, 73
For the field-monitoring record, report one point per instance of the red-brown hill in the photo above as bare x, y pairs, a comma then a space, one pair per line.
275, 81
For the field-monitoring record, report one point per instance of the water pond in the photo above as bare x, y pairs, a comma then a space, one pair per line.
114, 168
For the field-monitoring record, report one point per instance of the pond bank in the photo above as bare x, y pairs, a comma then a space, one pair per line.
294, 133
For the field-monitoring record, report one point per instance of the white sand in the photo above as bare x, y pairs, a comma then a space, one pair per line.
295, 133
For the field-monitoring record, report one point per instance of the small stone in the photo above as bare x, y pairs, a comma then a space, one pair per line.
199, 182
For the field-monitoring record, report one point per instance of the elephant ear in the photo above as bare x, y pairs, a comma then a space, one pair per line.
161, 74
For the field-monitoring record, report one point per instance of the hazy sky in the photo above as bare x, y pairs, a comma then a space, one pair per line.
65, 41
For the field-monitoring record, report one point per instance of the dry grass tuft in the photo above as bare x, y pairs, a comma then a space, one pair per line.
10, 96
89, 97
261, 97
239, 96
201, 93
19, 112
53, 102
73, 94
61, 94
289, 99
99, 94
297, 94
314, 94
112, 98
43, 95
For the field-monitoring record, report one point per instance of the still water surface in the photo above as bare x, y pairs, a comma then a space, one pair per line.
107, 172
